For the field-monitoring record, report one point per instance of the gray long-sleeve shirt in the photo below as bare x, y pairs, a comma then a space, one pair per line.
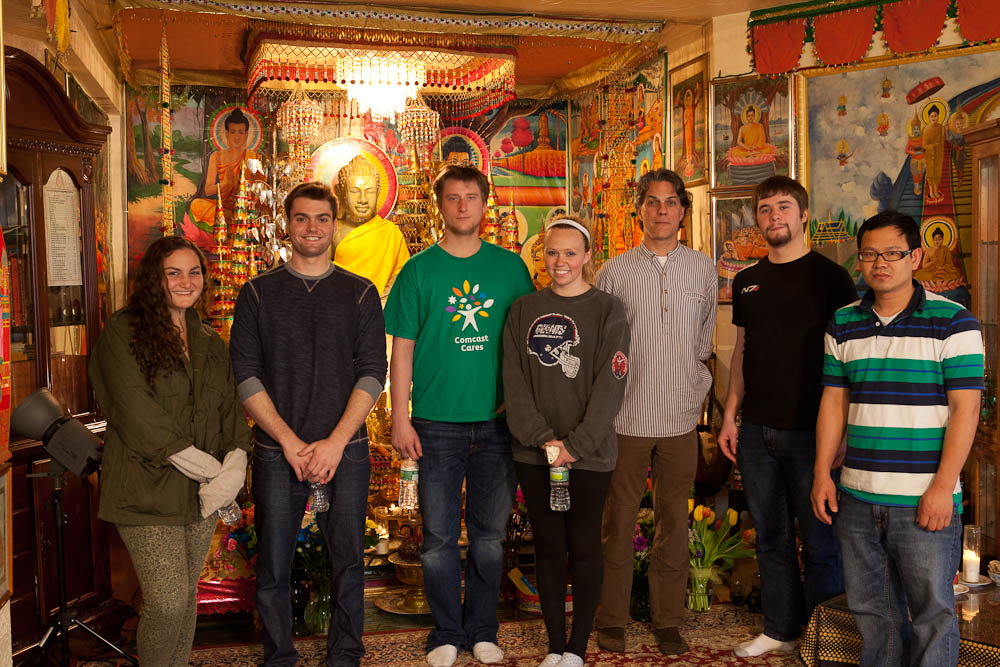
671, 314
308, 341
564, 368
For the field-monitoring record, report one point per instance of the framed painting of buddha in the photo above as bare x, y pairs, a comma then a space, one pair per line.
752, 134
689, 121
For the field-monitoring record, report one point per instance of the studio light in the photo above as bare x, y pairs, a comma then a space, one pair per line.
68, 442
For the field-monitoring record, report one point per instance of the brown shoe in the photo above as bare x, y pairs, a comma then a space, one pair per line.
670, 641
611, 639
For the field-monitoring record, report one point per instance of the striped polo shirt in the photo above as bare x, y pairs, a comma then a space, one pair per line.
898, 375
671, 316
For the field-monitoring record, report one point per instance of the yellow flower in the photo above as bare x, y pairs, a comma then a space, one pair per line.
710, 516
370, 525
699, 513
732, 516
690, 505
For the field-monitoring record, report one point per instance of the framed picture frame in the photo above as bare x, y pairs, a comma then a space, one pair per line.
688, 89
6, 551
3, 109
737, 243
752, 130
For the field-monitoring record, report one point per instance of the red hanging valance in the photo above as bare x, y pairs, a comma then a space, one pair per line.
913, 25
777, 46
979, 20
844, 37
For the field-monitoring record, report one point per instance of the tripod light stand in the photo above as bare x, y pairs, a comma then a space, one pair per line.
74, 448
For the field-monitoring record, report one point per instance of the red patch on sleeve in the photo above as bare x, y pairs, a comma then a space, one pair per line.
619, 365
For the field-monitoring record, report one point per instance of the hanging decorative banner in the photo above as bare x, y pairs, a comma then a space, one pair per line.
166, 139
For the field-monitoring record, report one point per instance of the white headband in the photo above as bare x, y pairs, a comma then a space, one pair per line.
570, 223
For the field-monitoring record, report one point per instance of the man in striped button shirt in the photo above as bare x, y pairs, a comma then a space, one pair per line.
903, 372
670, 294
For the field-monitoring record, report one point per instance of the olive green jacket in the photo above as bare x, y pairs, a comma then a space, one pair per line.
196, 406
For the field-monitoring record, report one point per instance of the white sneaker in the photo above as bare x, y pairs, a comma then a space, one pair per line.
487, 653
762, 644
442, 656
551, 660
570, 660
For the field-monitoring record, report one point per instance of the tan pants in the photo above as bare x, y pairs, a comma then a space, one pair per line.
168, 561
674, 462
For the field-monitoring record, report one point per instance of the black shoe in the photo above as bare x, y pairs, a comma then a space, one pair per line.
670, 641
611, 639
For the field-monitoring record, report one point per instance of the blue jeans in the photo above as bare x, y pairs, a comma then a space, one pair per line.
478, 453
896, 570
777, 470
280, 501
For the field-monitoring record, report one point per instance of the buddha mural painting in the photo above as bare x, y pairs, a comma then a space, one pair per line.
221, 178
364, 242
751, 146
939, 264
933, 136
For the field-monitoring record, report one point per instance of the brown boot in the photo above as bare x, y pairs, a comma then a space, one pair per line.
611, 639
670, 641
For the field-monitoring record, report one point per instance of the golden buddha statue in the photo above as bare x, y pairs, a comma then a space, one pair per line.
364, 242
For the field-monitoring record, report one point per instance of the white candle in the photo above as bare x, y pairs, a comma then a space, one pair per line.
970, 566
382, 547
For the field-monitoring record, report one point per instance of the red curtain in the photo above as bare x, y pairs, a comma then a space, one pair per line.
844, 37
979, 20
777, 46
913, 25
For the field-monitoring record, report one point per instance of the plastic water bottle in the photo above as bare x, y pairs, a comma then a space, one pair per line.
409, 473
231, 514
320, 500
559, 489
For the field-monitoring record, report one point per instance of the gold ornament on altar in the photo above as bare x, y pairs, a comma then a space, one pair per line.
299, 118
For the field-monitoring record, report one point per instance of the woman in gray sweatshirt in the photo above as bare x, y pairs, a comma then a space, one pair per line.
565, 361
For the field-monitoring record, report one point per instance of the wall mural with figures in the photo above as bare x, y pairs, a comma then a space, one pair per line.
891, 137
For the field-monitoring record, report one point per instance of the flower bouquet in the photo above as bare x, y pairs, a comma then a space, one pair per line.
642, 543
311, 556
713, 544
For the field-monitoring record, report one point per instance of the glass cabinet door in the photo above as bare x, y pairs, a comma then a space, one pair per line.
66, 308
986, 287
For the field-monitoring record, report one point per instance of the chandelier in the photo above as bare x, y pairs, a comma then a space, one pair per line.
299, 118
381, 80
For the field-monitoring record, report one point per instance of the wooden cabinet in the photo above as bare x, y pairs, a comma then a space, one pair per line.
47, 219
981, 487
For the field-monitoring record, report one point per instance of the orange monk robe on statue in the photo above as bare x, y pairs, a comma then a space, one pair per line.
375, 250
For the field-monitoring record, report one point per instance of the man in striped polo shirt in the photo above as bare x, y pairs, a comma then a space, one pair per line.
903, 372
670, 293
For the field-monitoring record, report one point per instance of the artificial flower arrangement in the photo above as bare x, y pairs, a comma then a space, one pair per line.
310, 553
713, 544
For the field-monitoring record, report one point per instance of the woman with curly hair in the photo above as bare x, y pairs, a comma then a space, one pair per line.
176, 442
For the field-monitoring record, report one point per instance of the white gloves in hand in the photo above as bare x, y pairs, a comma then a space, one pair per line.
225, 486
196, 464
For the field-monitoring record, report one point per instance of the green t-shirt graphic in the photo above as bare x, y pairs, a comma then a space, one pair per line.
455, 308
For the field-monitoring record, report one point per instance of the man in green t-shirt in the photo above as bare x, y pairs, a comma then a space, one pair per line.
446, 312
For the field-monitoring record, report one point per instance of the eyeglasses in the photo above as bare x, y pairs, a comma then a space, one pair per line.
888, 255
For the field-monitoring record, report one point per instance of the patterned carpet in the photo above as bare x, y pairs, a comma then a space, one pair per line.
711, 635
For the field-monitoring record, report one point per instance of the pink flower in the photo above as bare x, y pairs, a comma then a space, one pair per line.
231, 545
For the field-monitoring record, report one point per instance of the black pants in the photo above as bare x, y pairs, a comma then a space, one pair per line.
576, 532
